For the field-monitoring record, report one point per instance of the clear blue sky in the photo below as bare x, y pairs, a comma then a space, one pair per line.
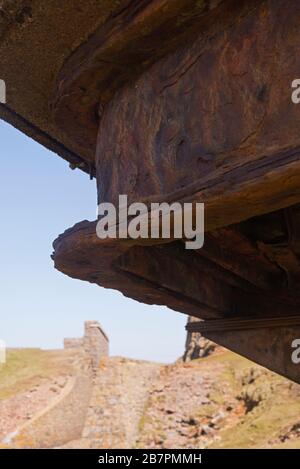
39, 198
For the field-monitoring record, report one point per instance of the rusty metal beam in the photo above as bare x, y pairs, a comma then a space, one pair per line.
238, 324
44, 138
269, 346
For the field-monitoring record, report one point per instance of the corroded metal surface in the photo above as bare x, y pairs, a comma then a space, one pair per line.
182, 101
36, 37
270, 347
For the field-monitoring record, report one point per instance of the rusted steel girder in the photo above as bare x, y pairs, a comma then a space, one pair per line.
271, 342
190, 101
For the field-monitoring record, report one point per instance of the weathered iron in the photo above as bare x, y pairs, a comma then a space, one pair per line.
181, 101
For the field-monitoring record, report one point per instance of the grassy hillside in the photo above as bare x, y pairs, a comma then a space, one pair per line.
26, 368
222, 401
271, 403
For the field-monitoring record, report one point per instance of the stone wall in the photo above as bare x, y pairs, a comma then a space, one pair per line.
73, 343
95, 342
63, 419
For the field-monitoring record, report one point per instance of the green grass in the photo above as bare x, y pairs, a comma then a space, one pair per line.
26, 368
279, 407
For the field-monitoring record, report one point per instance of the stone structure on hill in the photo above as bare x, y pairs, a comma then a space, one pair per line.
94, 342
197, 346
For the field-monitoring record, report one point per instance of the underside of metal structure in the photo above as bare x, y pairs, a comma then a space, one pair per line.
181, 101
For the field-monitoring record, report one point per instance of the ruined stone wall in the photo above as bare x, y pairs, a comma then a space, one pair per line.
95, 342
73, 343
59, 422
63, 419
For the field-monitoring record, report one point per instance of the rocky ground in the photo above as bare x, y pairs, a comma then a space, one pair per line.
183, 410
220, 401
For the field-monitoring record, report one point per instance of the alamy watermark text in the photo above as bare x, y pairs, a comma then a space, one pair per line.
159, 221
